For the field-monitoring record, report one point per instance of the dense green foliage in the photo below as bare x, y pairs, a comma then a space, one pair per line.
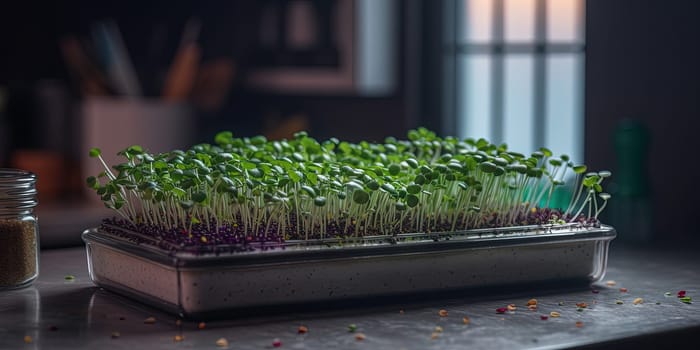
423, 184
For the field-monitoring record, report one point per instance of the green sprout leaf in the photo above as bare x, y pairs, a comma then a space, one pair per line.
373, 185
394, 169
413, 189
199, 197
412, 200
488, 167
360, 197
223, 138
580, 169
320, 201
310, 191
412, 163
92, 182
389, 188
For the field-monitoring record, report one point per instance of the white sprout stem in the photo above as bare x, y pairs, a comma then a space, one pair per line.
573, 201
600, 210
107, 170
583, 205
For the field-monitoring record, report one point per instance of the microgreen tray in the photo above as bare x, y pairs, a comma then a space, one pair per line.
300, 272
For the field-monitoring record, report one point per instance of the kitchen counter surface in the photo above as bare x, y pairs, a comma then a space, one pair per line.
63, 310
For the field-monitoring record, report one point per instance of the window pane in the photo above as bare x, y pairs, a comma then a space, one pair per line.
519, 20
476, 21
518, 109
474, 96
564, 117
565, 20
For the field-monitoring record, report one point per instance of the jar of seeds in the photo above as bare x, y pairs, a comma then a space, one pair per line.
19, 239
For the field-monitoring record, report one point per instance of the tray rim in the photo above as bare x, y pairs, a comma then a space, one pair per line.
363, 247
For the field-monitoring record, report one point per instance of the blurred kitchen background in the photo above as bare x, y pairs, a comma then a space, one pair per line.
614, 84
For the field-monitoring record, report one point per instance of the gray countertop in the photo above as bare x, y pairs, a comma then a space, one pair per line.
58, 313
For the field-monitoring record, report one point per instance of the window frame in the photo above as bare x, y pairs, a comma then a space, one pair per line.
498, 49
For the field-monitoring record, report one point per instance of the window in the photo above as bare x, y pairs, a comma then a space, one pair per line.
514, 72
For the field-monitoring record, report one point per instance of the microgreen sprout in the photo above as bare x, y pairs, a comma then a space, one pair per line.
303, 188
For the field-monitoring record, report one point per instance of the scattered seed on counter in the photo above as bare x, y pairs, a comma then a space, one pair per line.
202, 325
595, 291
637, 301
667, 294
511, 307
532, 301
580, 309
434, 335
501, 310
623, 290
686, 300
532, 307
69, 278
443, 313
179, 338
658, 303
579, 324
465, 320
53, 328
438, 329
681, 293
544, 317
561, 303
276, 343
359, 337
222, 343
610, 283
401, 312
554, 314
116, 335
618, 302
27, 339
581, 305
302, 330
150, 320
352, 328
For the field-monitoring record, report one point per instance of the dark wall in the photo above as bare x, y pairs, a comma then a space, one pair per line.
643, 64
29, 41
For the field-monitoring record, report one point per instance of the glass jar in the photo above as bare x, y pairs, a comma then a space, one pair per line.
19, 239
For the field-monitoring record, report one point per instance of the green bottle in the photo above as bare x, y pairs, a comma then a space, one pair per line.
630, 210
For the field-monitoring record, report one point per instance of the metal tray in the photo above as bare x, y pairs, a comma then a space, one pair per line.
299, 272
